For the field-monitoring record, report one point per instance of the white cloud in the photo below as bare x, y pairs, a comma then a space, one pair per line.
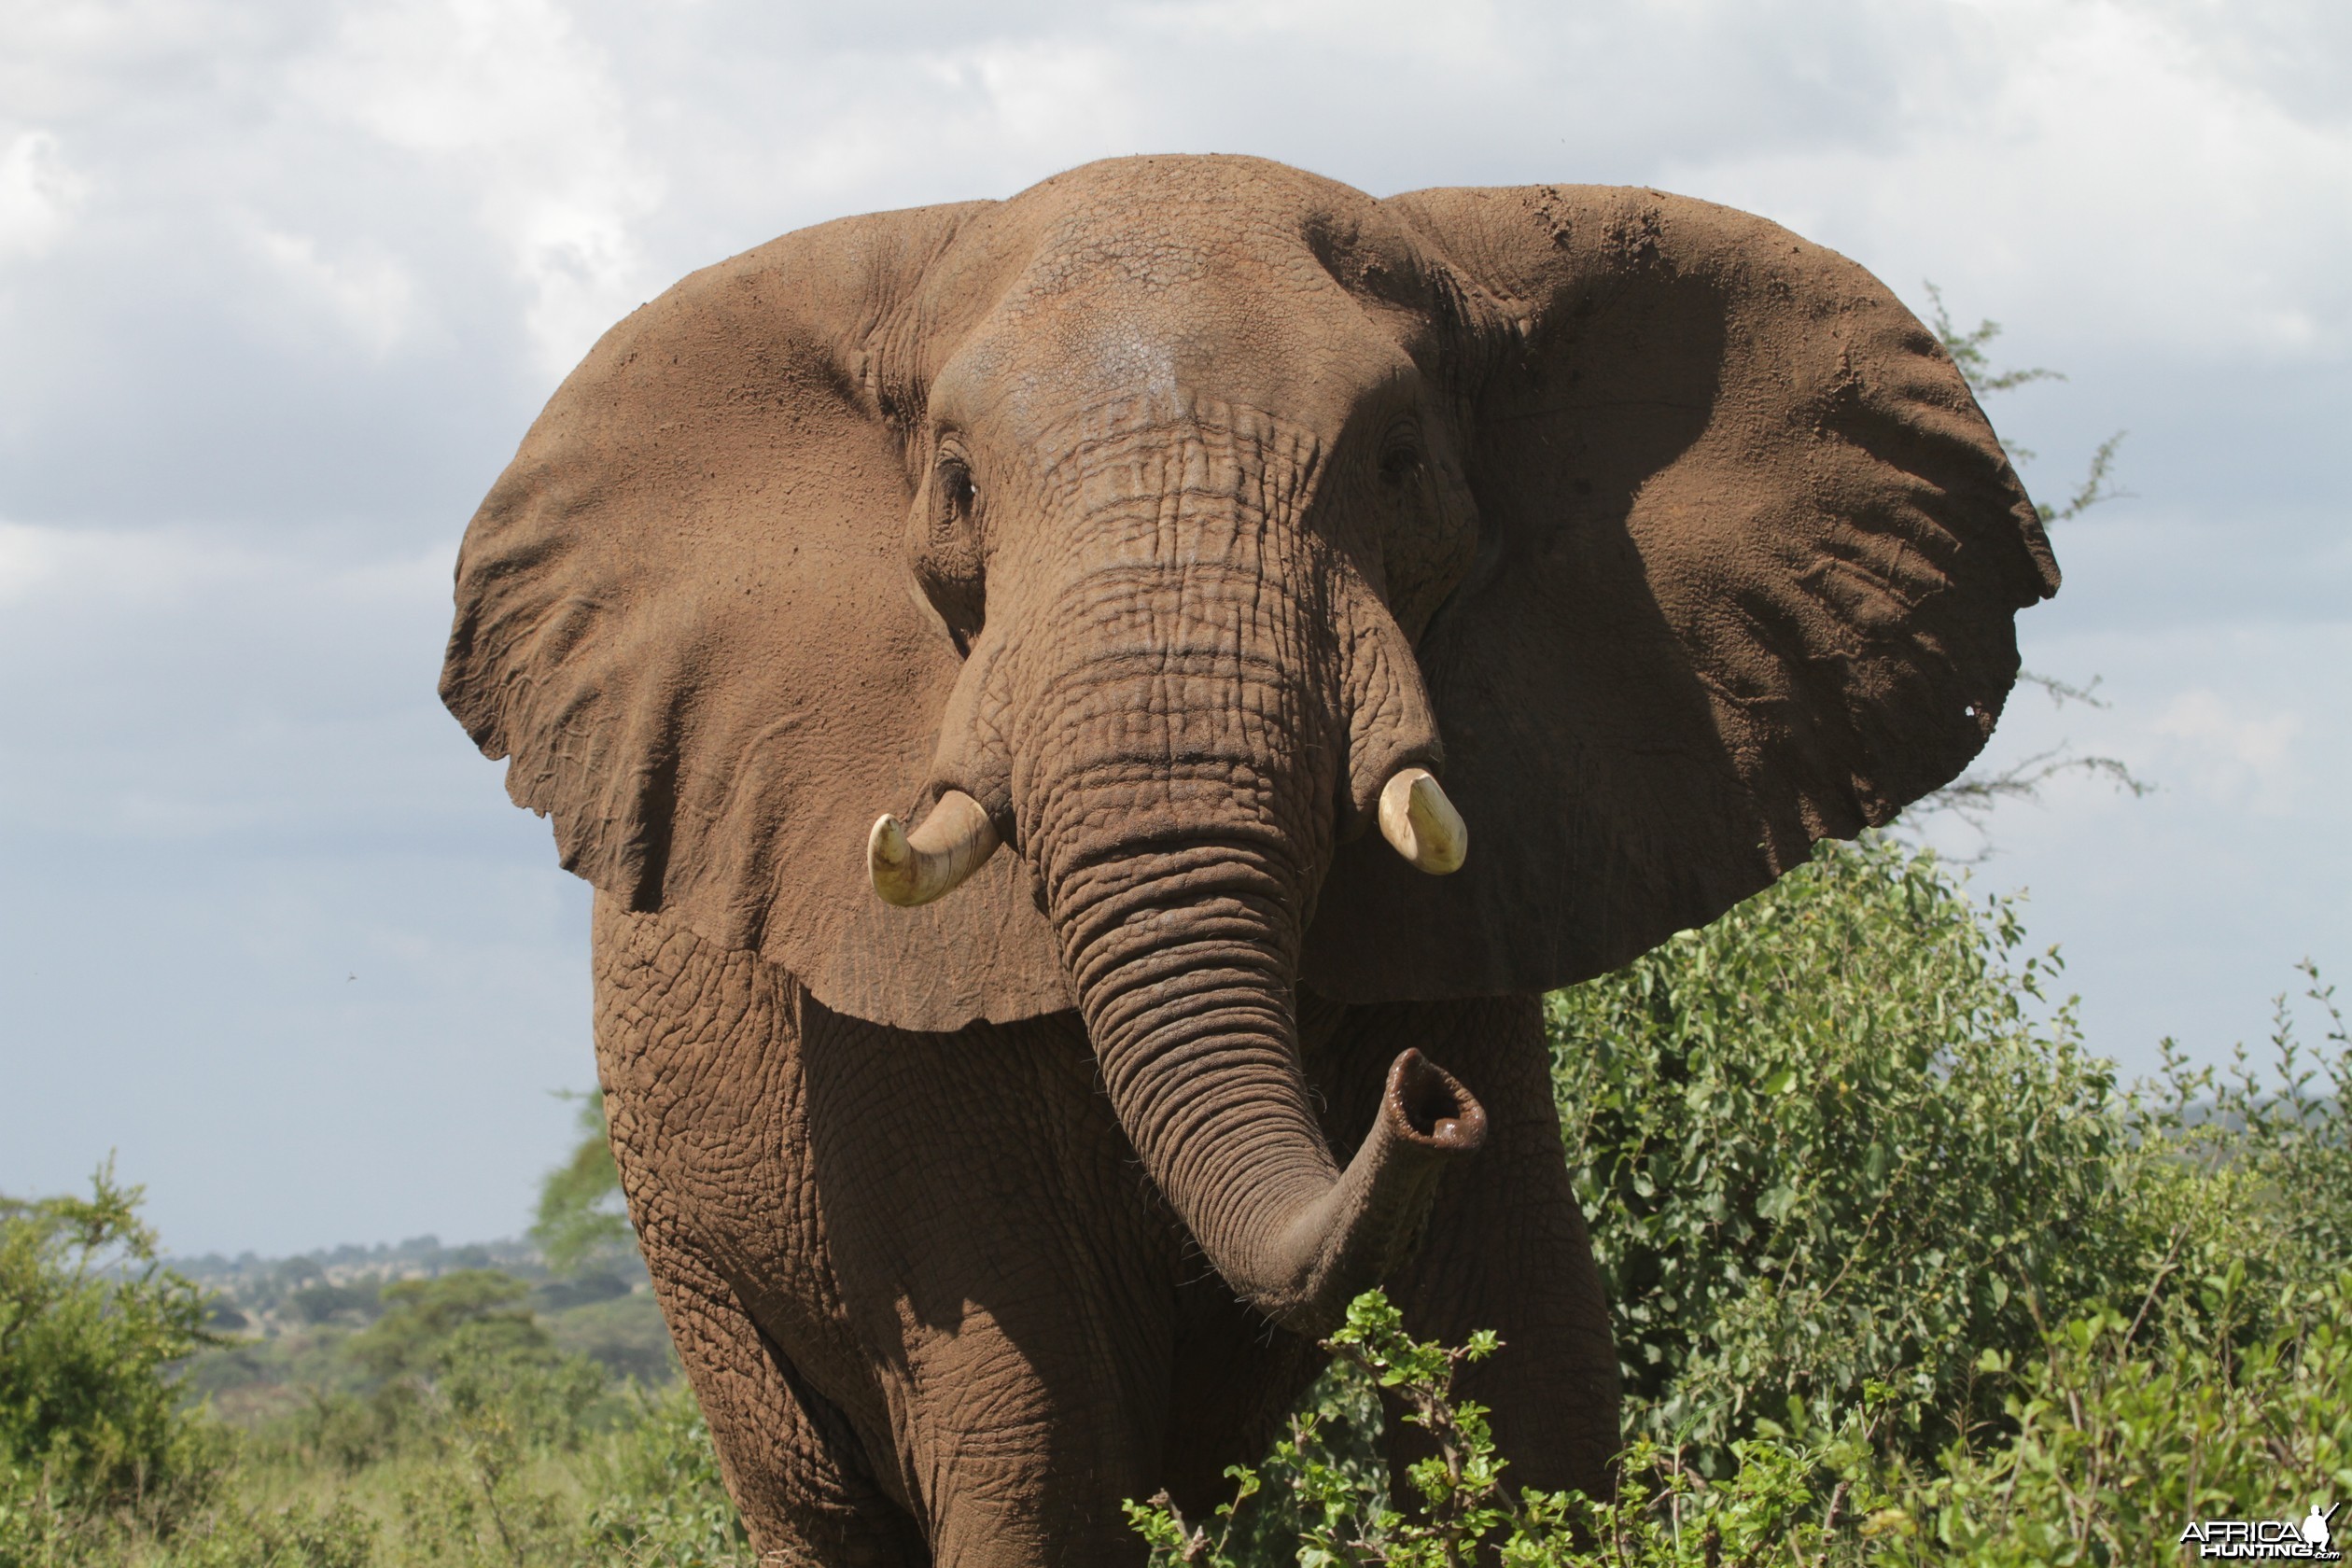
38, 193
26, 560
505, 98
2230, 755
372, 298
69, 571
2106, 165
144, 569
198, 682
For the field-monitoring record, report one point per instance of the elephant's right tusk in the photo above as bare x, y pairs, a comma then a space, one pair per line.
1421, 823
953, 842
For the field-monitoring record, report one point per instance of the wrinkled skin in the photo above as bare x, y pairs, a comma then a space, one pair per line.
1168, 510
976, 1345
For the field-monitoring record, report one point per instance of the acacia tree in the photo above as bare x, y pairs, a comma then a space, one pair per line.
1973, 795
580, 1214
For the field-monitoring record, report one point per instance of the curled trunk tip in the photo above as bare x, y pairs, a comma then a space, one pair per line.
1369, 1223
1428, 1105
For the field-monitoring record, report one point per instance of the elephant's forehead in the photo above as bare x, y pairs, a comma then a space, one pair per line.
1143, 249
1165, 283
1143, 302
1308, 354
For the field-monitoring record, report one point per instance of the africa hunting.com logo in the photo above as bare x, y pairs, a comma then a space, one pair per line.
2270, 1538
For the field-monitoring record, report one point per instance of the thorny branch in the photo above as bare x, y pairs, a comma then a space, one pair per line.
1973, 795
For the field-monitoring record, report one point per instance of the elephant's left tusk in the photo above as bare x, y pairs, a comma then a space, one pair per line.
953, 842
1421, 823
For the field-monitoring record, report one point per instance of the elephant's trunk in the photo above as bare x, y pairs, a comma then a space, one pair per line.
1200, 685
1183, 980
1179, 794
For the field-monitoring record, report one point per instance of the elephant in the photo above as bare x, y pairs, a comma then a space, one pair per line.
1094, 718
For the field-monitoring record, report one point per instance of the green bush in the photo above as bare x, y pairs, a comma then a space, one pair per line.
1900, 1276
497, 1407
458, 1353
1464, 1511
324, 1303
2115, 1434
1836, 1137
2243, 1169
423, 1318
662, 1499
451, 1432
2119, 1430
298, 1536
461, 1421
93, 1426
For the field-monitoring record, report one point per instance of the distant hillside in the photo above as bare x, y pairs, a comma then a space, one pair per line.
283, 1317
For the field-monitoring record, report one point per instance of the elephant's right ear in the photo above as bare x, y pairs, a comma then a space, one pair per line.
684, 613
1749, 562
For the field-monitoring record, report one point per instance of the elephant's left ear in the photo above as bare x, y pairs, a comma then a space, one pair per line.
1750, 557
684, 613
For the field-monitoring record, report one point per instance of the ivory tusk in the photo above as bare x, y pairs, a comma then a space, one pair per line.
1418, 819
911, 868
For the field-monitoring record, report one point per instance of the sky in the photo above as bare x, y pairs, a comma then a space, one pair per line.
282, 284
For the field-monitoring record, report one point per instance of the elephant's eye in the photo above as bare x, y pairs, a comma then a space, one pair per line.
957, 496
1401, 464
947, 548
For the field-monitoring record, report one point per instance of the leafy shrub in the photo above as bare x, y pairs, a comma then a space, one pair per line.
1664, 1517
482, 1503
452, 1431
1827, 1141
448, 1354
495, 1401
2114, 1435
625, 1335
1344, 1516
2240, 1169
324, 1303
423, 1317
486, 1445
1900, 1276
1330, 1457
663, 1501
300, 1536
2121, 1431
551, 1399
92, 1421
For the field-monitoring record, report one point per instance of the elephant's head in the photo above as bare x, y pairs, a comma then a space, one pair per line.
1158, 521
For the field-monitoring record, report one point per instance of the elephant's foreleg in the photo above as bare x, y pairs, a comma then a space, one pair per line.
697, 1049
1505, 1246
791, 1460
1008, 1274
